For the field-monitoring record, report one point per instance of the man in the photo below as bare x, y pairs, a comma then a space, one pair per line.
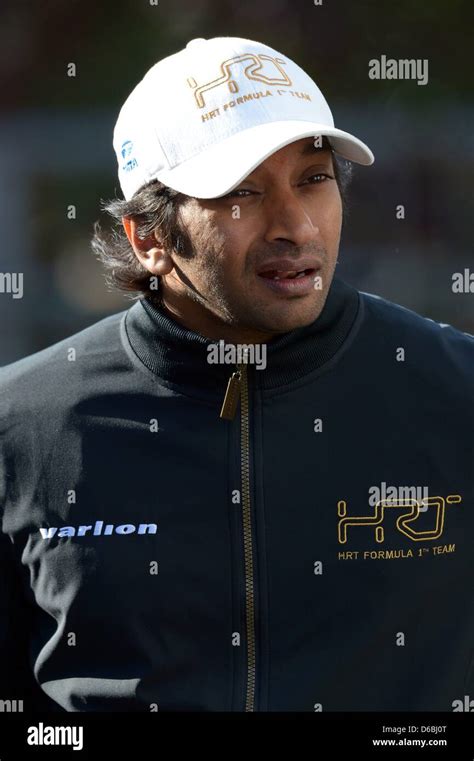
251, 490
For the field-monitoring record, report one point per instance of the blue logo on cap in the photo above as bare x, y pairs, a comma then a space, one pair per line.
126, 151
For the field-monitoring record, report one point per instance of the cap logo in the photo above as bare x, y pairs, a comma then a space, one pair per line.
251, 71
130, 161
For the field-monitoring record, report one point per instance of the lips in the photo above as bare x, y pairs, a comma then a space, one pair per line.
286, 274
289, 269
289, 278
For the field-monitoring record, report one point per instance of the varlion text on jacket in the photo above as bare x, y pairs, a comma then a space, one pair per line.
309, 549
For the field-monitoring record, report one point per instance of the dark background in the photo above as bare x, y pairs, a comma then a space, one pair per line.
56, 141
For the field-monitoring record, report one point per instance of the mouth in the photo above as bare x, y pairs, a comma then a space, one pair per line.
289, 282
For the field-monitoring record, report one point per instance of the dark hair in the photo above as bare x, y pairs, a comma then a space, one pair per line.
155, 206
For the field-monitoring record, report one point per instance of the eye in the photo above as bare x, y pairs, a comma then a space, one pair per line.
235, 193
319, 178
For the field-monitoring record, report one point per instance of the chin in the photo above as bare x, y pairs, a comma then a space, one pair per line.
296, 318
285, 325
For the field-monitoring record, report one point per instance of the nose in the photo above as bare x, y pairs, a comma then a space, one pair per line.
287, 219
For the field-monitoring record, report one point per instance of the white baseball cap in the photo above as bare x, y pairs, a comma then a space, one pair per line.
204, 118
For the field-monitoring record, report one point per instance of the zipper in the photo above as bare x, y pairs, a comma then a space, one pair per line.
237, 388
232, 394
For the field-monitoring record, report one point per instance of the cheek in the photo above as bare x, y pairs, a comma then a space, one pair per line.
233, 238
331, 222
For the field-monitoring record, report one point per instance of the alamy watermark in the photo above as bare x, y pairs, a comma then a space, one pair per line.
463, 282
11, 706
12, 282
42, 734
237, 354
465, 704
387, 493
404, 68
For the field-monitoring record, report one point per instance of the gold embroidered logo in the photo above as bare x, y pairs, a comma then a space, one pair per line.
405, 523
252, 71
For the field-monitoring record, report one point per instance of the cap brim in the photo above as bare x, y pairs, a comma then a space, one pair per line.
221, 167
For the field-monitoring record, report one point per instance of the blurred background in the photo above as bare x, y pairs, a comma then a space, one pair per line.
56, 141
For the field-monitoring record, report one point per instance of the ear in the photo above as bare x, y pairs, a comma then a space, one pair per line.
149, 251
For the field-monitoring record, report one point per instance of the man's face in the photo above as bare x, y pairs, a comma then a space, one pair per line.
285, 217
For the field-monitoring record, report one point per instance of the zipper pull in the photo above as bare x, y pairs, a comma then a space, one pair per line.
232, 396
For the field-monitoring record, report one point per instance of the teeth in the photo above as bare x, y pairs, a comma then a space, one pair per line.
289, 275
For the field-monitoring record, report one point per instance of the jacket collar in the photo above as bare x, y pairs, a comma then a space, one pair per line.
179, 356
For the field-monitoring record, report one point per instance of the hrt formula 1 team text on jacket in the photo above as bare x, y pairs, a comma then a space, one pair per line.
305, 548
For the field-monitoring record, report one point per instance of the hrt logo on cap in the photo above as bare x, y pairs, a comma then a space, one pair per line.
249, 71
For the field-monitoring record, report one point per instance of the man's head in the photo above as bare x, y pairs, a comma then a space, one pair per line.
282, 221
245, 241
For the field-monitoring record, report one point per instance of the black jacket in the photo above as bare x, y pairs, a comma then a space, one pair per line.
259, 563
